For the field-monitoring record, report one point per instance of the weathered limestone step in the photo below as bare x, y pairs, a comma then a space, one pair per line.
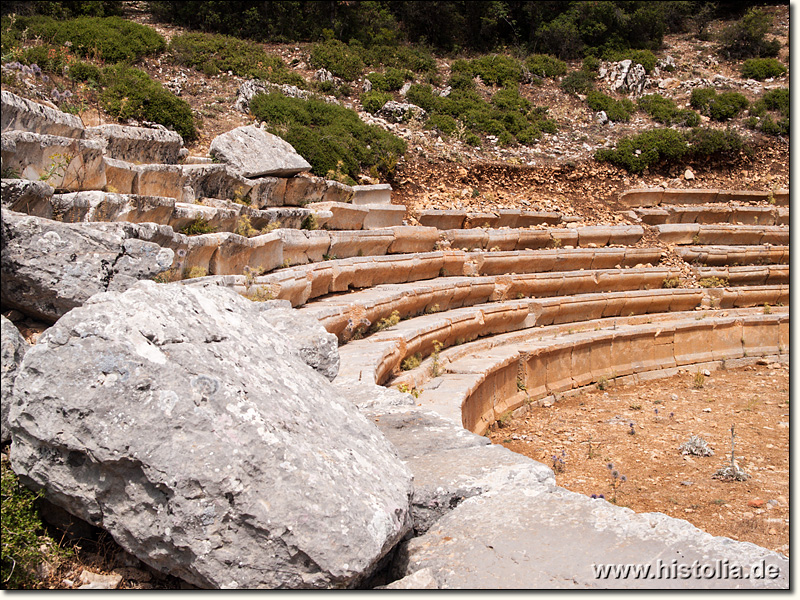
511, 218
254, 152
593, 236
379, 357
710, 214
745, 235
512, 375
748, 275
24, 115
138, 144
354, 313
657, 196
735, 255
370, 195
63, 162
222, 215
347, 216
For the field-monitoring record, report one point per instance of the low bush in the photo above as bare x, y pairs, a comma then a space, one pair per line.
776, 101
132, 94
329, 136
590, 64
112, 39
213, 54
443, 123
493, 69
401, 57
616, 110
637, 153
578, 82
746, 38
665, 111
391, 80
86, 72
509, 117
720, 107
762, 68
374, 101
701, 98
338, 58
544, 65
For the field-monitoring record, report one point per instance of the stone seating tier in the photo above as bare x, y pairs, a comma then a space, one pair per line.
647, 197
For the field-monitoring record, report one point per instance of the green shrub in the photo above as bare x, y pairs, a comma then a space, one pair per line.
443, 123
616, 110
338, 58
776, 100
404, 58
639, 152
461, 81
701, 98
493, 69
590, 64
25, 543
374, 101
131, 94
727, 105
199, 226
769, 126
86, 72
112, 39
391, 80
762, 68
665, 111
329, 136
578, 82
747, 37
213, 54
544, 65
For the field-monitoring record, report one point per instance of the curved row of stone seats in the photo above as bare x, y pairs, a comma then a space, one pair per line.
734, 255
378, 358
511, 218
479, 389
744, 235
745, 275
709, 214
637, 198
348, 216
306, 282
353, 314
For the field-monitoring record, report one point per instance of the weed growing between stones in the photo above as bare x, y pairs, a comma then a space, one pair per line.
602, 383
195, 272
670, 283
245, 228
712, 282
404, 387
435, 368
732, 472
387, 322
699, 380
198, 227
411, 362
696, 446
560, 462
57, 167
310, 223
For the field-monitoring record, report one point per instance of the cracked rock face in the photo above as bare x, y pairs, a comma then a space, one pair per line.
13, 347
189, 426
49, 268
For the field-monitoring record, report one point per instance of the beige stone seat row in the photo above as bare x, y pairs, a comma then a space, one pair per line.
745, 235
479, 389
379, 357
463, 219
709, 214
734, 255
305, 282
658, 196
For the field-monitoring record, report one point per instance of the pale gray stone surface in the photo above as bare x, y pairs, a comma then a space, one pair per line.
255, 153
137, 144
12, 348
23, 114
184, 422
49, 268
28, 196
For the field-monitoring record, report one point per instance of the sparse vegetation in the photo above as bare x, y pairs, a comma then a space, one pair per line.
696, 446
198, 227
762, 68
666, 111
616, 110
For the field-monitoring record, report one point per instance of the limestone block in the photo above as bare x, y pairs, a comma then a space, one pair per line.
383, 215
502, 239
743, 196
641, 197
466, 239
563, 237
259, 253
345, 216
691, 196
63, 162
442, 219
775, 235
120, 176
159, 180
137, 144
345, 244
89, 206
255, 153
25, 115
337, 192
303, 246
529, 218
304, 189
678, 233
485, 220
408, 239
26, 196
372, 194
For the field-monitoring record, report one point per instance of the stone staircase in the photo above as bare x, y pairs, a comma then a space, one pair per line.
478, 314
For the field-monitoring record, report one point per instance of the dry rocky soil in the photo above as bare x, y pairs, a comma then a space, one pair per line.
581, 435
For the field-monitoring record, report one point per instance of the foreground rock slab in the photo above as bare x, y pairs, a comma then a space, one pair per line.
13, 347
186, 424
255, 153
49, 268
